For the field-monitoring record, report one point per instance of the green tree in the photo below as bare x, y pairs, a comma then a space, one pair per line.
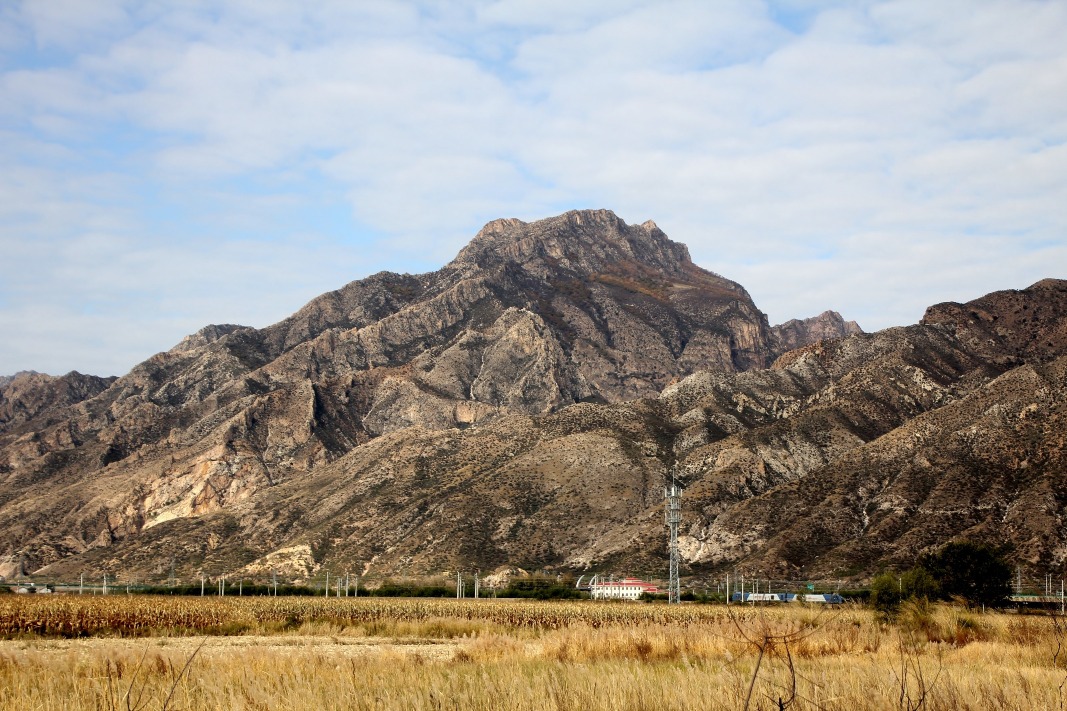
919, 583
973, 572
886, 594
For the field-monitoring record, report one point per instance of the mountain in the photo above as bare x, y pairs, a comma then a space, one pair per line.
523, 406
529, 319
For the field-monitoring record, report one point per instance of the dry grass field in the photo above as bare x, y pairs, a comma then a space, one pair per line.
119, 652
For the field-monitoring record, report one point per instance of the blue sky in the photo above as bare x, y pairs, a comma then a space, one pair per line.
168, 165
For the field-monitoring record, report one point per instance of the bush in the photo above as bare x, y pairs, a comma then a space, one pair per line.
554, 592
860, 595
917, 618
889, 590
975, 573
537, 587
211, 589
395, 590
886, 593
919, 583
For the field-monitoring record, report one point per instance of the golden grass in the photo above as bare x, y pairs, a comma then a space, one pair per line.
441, 654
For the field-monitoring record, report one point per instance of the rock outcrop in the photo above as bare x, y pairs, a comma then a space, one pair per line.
800, 332
31, 397
1013, 326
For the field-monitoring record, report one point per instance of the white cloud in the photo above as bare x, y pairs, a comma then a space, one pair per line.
552, 15
667, 37
69, 24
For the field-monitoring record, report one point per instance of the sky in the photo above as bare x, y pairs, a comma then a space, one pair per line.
167, 165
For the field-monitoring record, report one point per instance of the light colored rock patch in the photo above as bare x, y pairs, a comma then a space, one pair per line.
291, 562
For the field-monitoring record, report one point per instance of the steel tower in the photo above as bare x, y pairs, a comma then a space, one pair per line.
673, 495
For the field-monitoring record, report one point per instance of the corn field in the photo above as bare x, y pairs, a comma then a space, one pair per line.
137, 615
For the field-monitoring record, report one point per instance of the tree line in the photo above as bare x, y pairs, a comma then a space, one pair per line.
973, 573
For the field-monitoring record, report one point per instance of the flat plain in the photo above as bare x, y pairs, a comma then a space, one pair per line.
141, 652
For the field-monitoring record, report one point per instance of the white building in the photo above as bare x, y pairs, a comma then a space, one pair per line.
625, 589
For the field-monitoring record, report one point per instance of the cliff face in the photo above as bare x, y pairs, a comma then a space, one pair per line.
527, 320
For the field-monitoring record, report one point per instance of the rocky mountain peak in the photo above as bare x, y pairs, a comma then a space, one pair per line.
6, 380
587, 241
798, 332
205, 336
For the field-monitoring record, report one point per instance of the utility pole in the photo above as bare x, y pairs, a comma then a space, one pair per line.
476, 585
673, 515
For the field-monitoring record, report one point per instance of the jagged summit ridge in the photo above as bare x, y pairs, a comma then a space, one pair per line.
582, 240
796, 333
205, 336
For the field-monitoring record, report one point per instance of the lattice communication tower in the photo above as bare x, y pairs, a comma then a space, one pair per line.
673, 495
